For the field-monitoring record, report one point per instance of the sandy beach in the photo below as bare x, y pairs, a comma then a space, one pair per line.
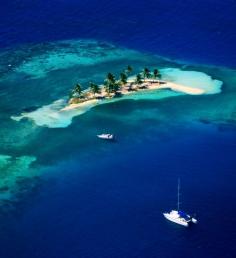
79, 105
147, 85
61, 112
177, 87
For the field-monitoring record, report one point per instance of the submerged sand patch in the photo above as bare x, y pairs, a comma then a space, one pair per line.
60, 114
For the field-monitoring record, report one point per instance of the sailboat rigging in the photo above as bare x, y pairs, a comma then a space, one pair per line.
178, 216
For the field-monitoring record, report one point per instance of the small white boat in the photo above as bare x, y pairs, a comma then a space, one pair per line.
178, 216
106, 136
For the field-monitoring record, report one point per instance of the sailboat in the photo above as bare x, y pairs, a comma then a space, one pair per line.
178, 216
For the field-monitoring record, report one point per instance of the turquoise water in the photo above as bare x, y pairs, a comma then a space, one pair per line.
25, 88
89, 198
64, 193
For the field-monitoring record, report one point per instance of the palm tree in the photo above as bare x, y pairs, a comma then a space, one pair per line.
111, 78
94, 88
129, 69
146, 73
115, 87
138, 79
123, 78
156, 74
109, 83
77, 90
107, 86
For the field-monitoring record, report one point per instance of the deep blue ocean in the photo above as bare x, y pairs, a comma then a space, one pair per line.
200, 31
98, 199
114, 208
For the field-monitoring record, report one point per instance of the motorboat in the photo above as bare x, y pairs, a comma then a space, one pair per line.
106, 136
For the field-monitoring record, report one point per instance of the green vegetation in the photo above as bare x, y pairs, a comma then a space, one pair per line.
116, 87
111, 78
110, 82
156, 74
123, 78
112, 86
94, 88
77, 91
138, 79
146, 73
129, 69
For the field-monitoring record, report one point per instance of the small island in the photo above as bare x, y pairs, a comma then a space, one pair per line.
145, 84
126, 84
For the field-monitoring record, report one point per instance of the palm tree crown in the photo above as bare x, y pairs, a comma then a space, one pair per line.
94, 88
123, 78
146, 73
77, 90
156, 74
111, 78
129, 69
110, 82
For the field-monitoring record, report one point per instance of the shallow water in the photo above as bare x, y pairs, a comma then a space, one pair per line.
65, 193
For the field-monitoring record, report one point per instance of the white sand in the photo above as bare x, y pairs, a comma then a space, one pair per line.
191, 79
80, 105
60, 114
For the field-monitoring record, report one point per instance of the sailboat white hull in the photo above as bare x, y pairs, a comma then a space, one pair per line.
106, 136
175, 219
178, 216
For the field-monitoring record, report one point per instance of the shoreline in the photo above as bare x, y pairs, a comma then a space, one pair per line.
147, 85
79, 105
60, 113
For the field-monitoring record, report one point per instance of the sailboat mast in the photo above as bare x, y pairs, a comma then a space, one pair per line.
178, 194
